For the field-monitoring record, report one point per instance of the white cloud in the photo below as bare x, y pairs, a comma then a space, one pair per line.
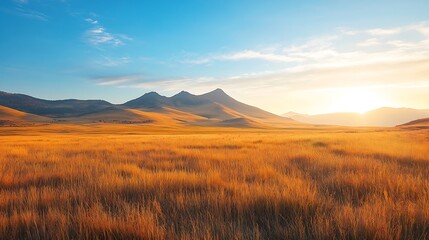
98, 35
250, 54
314, 49
384, 31
422, 28
92, 21
197, 61
369, 42
348, 31
392, 44
117, 79
124, 37
244, 55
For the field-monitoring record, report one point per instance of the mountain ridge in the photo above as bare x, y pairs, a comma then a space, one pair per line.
215, 108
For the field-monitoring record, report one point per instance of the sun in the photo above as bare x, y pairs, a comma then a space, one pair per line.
358, 100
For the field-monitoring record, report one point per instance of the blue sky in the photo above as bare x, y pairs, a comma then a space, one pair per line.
304, 56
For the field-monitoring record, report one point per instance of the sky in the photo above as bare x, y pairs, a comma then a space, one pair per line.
303, 56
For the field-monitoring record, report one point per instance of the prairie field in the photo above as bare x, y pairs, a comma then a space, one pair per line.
132, 182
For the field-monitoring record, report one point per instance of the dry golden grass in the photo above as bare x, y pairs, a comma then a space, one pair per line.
69, 182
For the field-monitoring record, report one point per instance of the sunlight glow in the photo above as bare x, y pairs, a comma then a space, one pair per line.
356, 100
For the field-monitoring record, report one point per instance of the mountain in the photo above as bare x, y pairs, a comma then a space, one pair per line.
387, 117
48, 108
215, 104
215, 108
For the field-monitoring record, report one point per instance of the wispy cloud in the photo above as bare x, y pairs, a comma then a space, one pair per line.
22, 8
311, 50
112, 62
98, 35
250, 54
116, 79
29, 13
90, 20
244, 55
325, 49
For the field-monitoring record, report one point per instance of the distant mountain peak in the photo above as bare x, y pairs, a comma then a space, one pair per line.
183, 94
148, 100
218, 91
216, 94
151, 94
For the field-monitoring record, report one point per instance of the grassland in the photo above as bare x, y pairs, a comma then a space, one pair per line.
132, 182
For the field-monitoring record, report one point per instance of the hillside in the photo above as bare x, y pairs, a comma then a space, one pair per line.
424, 122
52, 108
9, 116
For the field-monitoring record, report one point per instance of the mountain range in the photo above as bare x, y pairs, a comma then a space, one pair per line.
386, 117
215, 108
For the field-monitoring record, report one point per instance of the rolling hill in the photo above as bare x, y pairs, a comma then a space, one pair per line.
52, 108
9, 116
424, 122
386, 117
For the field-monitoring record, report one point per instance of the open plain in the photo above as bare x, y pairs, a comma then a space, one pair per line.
116, 181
